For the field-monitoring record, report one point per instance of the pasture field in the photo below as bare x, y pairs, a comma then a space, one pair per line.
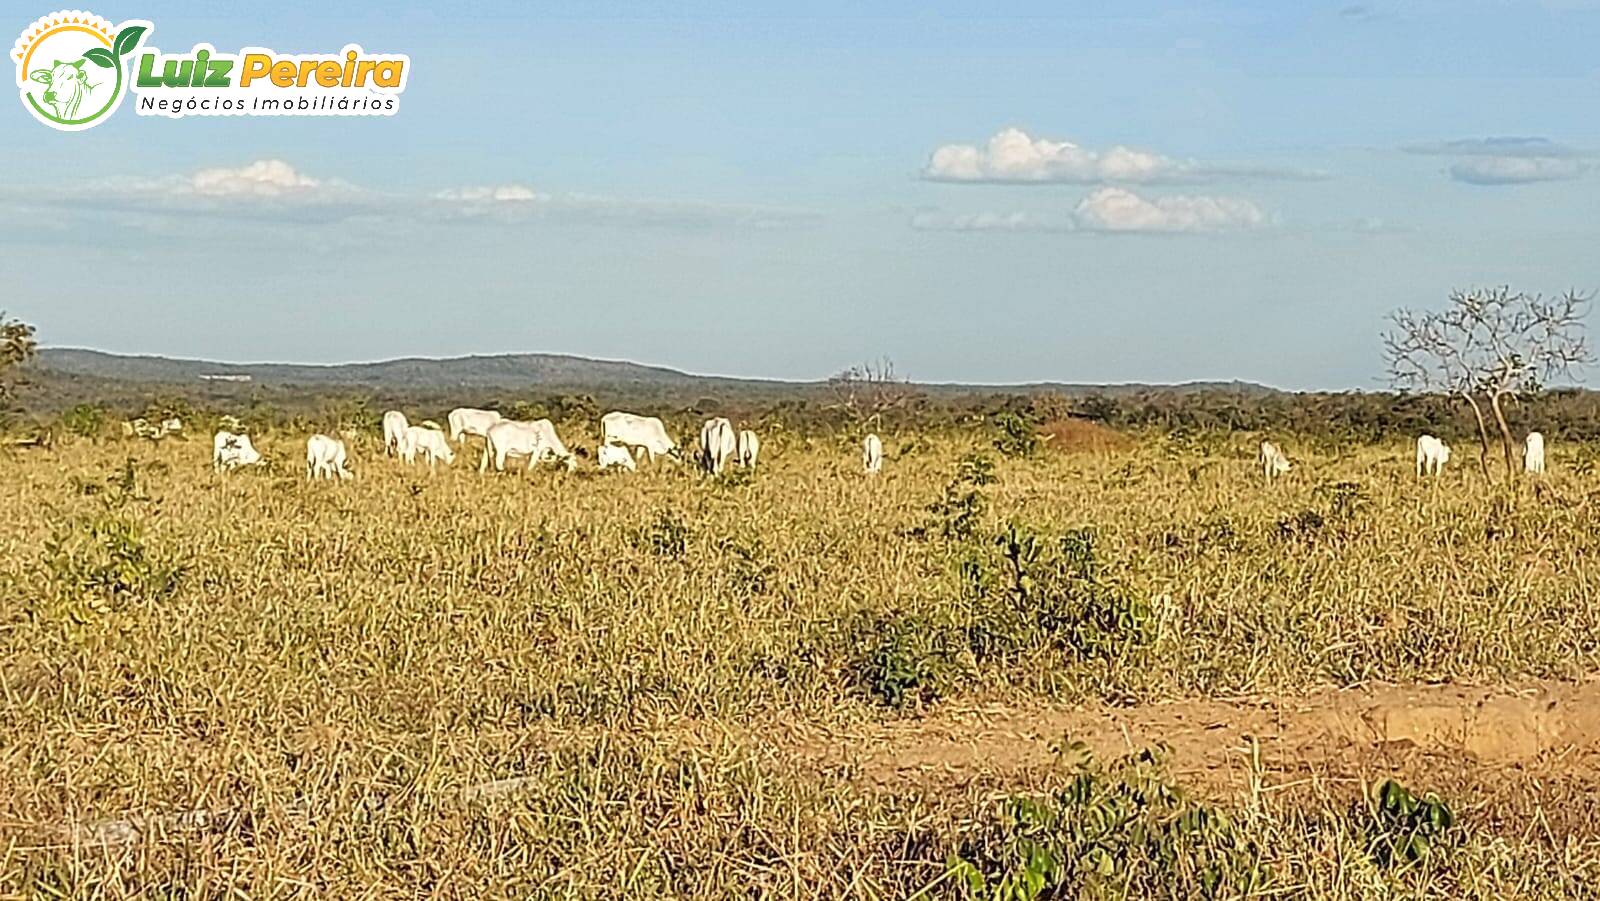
1124, 674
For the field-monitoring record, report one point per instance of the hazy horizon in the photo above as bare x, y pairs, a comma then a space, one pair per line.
911, 378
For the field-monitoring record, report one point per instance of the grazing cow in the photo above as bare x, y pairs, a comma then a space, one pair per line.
1432, 455
430, 443
747, 448
612, 455
325, 458
394, 432
466, 421
872, 454
535, 440
717, 444
630, 431
1533, 454
67, 85
1273, 462
230, 451
171, 425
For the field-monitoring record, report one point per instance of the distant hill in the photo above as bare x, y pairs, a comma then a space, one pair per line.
497, 371
502, 371
59, 378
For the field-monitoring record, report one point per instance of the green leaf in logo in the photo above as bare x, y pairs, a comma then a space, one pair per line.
128, 38
100, 56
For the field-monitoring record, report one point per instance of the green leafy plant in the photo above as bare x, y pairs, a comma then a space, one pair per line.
959, 511
1113, 831
902, 659
98, 562
1014, 435
1058, 596
84, 420
1403, 827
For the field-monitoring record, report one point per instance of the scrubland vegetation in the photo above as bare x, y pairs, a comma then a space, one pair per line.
575, 685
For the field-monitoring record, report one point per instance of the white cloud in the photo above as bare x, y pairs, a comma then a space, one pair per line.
934, 220
1513, 170
511, 193
1112, 210
263, 178
1119, 210
1013, 156
276, 191
1508, 160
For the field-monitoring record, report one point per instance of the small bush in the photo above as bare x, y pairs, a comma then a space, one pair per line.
1404, 828
1014, 435
959, 511
1116, 832
84, 421
902, 660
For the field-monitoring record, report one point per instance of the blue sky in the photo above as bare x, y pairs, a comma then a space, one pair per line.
983, 192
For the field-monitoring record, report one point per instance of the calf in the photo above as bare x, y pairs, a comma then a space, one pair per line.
872, 454
614, 456
430, 443
325, 458
1273, 462
1432, 455
1533, 454
746, 449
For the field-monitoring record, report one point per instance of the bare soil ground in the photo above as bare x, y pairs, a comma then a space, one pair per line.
1523, 747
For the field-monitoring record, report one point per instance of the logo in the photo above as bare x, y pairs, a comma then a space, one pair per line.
72, 67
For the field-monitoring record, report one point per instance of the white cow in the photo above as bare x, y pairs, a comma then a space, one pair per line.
230, 451
535, 440
325, 458
1533, 454
717, 444
171, 425
612, 455
872, 454
466, 421
430, 443
747, 448
1432, 455
630, 431
1272, 460
394, 432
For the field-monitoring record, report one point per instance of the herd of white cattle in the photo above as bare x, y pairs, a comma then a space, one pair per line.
1432, 455
626, 439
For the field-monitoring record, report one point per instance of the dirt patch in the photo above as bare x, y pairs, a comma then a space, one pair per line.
1081, 436
1220, 746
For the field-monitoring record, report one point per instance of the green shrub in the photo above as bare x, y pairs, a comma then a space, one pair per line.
1112, 832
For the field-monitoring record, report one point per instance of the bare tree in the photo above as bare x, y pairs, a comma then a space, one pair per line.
17, 346
868, 390
1486, 346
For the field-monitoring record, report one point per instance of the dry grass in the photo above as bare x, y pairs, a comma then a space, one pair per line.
578, 685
